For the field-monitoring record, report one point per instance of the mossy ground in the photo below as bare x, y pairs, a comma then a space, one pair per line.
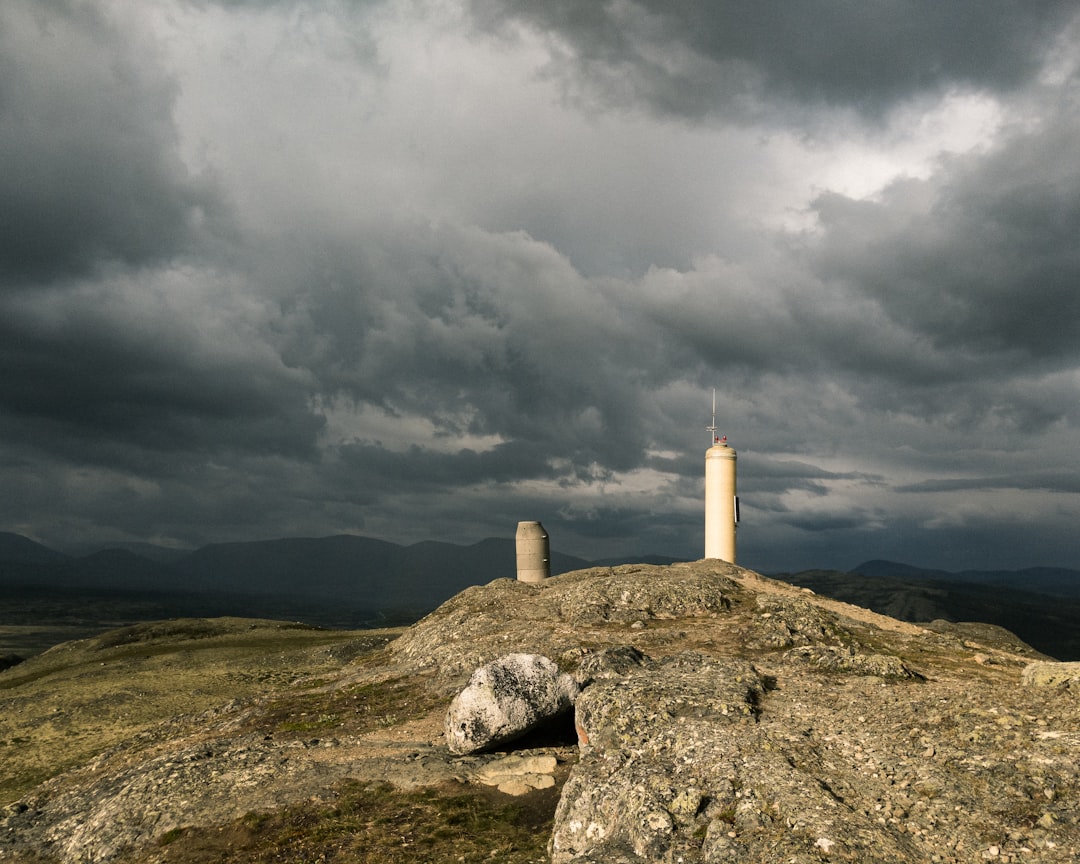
62, 708
380, 825
349, 710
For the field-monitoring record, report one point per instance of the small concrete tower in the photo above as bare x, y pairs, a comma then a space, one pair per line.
533, 552
721, 503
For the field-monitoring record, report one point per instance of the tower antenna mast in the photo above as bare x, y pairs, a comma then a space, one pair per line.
712, 428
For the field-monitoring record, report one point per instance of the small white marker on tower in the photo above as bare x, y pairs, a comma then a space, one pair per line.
721, 503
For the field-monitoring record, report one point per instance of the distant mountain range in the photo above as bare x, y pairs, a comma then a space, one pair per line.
359, 579
1058, 581
351, 581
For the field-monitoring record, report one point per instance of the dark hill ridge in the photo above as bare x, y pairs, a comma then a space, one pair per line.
23, 550
343, 566
355, 581
342, 581
291, 566
374, 573
150, 551
112, 566
1058, 581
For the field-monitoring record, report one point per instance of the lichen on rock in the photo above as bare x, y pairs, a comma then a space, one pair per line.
830, 658
1043, 674
612, 597
505, 699
560, 614
648, 756
787, 621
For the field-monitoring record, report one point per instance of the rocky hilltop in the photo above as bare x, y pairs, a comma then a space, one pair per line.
716, 716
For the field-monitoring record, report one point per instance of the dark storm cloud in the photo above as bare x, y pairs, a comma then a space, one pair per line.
419, 470
979, 258
491, 335
87, 143
692, 59
86, 373
110, 360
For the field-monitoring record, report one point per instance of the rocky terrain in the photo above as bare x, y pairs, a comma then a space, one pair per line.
718, 716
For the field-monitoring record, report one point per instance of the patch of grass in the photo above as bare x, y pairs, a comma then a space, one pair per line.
69, 704
255, 821
171, 836
322, 721
379, 824
351, 710
175, 630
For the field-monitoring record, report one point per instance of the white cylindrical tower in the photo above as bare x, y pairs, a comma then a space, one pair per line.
721, 505
533, 552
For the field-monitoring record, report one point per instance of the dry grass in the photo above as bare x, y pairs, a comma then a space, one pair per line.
356, 709
379, 825
62, 708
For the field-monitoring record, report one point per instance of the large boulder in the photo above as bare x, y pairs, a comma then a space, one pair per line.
506, 699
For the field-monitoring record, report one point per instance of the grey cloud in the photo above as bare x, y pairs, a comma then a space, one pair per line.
779, 319
88, 145
493, 334
692, 59
419, 470
1065, 480
180, 501
784, 471
624, 524
980, 257
982, 543
978, 543
818, 523
107, 373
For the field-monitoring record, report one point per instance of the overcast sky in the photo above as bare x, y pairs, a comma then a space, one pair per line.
420, 270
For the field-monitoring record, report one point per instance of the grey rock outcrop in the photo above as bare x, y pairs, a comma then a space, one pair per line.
604, 663
559, 614
653, 758
505, 699
833, 659
703, 759
1041, 674
517, 774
